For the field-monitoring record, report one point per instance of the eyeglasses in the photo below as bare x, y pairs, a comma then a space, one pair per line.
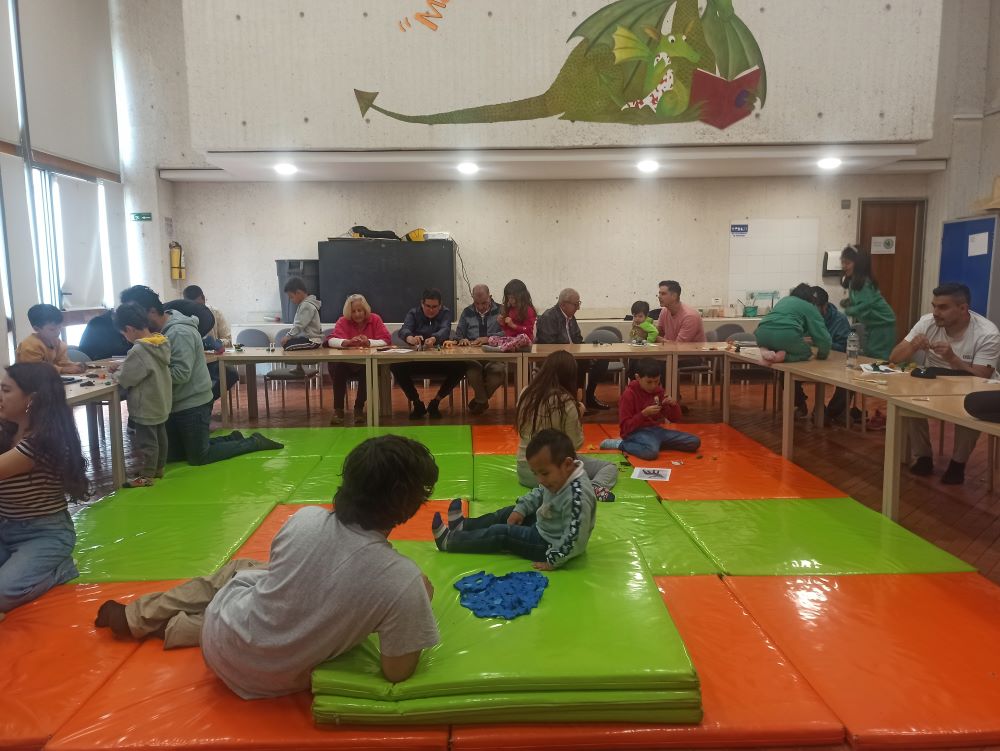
576, 304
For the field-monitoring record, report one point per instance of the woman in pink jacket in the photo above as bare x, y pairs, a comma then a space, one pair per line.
517, 313
357, 328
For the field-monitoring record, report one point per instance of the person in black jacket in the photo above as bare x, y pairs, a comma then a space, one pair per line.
101, 340
558, 325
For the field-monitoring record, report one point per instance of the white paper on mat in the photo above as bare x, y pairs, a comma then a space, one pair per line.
653, 474
978, 244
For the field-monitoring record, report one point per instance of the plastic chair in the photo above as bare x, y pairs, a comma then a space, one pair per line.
284, 376
77, 355
608, 335
614, 331
728, 329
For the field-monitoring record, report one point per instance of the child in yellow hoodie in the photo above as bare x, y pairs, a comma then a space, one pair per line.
45, 345
146, 374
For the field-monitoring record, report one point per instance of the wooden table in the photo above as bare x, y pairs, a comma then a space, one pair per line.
445, 354
77, 394
949, 408
618, 351
251, 356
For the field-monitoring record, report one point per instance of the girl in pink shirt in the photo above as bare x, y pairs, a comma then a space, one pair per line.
357, 328
517, 318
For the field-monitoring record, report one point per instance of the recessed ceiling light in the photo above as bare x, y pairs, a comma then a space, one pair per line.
648, 165
285, 168
468, 168
830, 162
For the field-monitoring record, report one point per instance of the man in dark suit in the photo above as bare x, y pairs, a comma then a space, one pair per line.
558, 325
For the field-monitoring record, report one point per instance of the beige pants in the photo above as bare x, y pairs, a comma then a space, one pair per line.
920, 440
484, 378
180, 611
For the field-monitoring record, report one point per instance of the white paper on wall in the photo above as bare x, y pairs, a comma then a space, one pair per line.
979, 244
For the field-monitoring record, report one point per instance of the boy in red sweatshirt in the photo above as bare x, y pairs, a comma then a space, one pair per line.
642, 410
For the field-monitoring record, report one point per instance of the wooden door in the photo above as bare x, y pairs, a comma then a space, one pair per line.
898, 273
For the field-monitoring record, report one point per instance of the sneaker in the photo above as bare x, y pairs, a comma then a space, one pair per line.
477, 408
603, 494
338, 417
359, 412
876, 421
264, 443
922, 467
594, 403
419, 410
856, 415
138, 482
954, 475
432, 409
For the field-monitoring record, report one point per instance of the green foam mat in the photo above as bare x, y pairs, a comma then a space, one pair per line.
123, 540
807, 536
440, 439
269, 479
320, 483
454, 476
495, 479
549, 651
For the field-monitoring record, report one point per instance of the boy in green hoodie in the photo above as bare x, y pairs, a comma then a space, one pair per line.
146, 374
782, 334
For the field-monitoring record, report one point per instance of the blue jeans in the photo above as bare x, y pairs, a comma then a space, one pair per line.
188, 438
492, 534
646, 443
35, 555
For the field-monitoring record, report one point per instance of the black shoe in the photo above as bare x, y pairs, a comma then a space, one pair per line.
856, 415
264, 443
594, 403
924, 466
477, 408
419, 410
432, 409
954, 475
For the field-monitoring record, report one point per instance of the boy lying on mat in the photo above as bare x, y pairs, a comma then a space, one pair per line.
332, 580
550, 525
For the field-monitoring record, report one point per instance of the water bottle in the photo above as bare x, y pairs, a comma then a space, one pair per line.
853, 346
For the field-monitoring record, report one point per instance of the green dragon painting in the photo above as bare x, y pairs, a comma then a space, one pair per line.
628, 69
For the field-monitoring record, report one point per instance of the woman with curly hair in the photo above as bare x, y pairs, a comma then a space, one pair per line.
41, 466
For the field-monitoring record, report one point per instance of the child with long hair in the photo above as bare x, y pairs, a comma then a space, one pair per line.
41, 465
866, 305
517, 319
549, 401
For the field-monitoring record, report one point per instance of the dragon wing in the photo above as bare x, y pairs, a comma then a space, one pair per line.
630, 47
634, 15
736, 51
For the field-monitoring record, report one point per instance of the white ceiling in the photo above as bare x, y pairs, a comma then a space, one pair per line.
556, 164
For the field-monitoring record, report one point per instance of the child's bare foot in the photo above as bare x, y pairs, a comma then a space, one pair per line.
768, 355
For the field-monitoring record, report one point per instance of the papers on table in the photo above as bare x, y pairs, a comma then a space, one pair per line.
653, 474
880, 370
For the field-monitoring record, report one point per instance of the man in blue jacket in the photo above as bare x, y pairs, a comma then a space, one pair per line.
476, 325
427, 326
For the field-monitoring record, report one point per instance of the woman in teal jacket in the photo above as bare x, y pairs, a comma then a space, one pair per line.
866, 305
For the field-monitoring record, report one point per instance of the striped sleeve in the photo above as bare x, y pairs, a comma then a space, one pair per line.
31, 494
560, 552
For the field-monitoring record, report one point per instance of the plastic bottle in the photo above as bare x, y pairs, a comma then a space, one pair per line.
853, 347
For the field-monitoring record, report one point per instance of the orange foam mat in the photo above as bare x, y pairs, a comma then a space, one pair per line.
160, 700
751, 695
905, 661
503, 439
54, 658
734, 476
258, 546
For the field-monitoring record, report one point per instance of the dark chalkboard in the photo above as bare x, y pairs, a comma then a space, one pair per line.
389, 273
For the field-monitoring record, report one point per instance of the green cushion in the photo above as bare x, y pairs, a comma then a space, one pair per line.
610, 585
440, 439
126, 539
454, 476
495, 479
298, 441
268, 479
807, 536
320, 483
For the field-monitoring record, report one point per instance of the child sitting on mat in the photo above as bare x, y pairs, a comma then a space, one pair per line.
641, 411
549, 401
332, 580
550, 525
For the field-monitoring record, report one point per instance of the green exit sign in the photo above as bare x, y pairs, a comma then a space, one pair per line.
142, 216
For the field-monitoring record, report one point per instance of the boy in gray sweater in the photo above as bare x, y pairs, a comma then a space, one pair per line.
550, 525
306, 324
146, 374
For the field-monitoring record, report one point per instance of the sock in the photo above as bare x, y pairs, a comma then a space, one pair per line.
603, 494
111, 615
441, 531
611, 443
265, 443
236, 436
455, 518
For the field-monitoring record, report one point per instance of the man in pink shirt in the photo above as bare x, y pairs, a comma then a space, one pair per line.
677, 322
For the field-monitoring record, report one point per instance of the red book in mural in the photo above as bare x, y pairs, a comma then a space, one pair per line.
724, 102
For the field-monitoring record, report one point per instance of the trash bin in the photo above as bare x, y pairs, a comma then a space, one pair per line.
308, 271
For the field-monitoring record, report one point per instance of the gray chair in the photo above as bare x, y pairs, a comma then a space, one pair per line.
608, 335
728, 329
77, 355
284, 376
614, 331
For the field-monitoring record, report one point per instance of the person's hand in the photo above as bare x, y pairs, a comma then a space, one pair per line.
414, 341
78, 368
581, 408
670, 402
430, 341
944, 351
281, 342
112, 368
920, 341
481, 341
362, 340
509, 321
515, 518
449, 343
428, 586
660, 340
543, 566
464, 342
653, 410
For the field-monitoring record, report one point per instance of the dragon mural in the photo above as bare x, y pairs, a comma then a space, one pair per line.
627, 68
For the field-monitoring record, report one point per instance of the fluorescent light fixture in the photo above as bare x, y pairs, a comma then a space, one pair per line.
468, 168
285, 168
830, 162
648, 165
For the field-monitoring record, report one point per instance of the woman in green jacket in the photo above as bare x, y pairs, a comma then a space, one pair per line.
866, 305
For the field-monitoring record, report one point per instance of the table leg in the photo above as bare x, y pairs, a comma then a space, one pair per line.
223, 394
374, 393
117, 442
726, 383
519, 375
93, 415
251, 379
673, 376
893, 457
819, 409
788, 416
